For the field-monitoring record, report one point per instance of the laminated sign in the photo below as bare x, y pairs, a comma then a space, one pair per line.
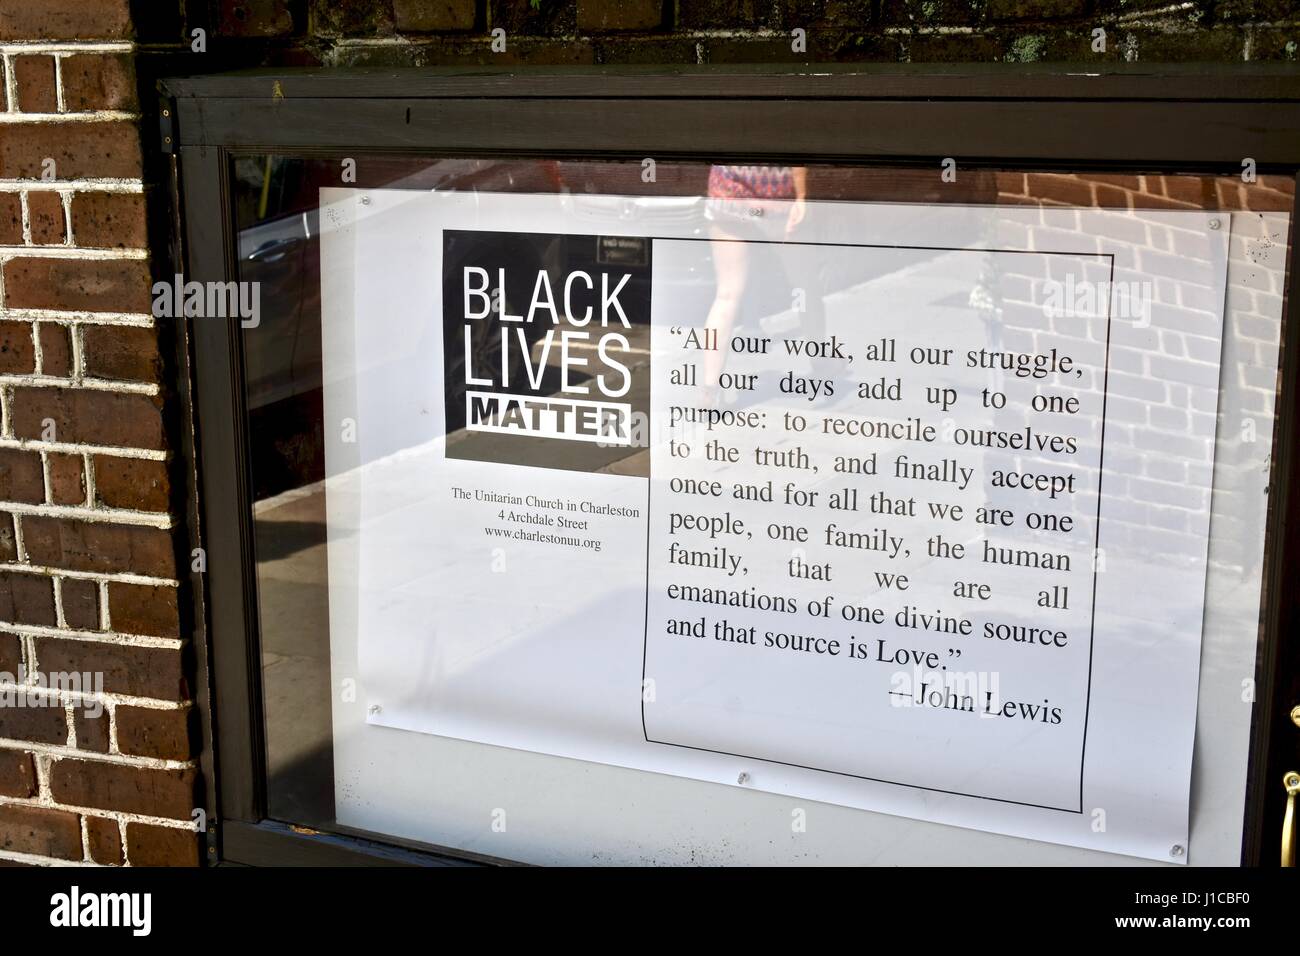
850, 503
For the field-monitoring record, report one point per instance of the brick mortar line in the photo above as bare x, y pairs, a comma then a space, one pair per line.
68, 251
87, 476
60, 752
12, 47
76, 448
1155, 12
118, 577
78, 698
90, 116
75, 185
940, 30
151, 519
41, 380
77, 362
108, 638
65, 200
60, 619
69, 316
60, 96
121, 816
50, 861
79, 634
10, 81
38, 357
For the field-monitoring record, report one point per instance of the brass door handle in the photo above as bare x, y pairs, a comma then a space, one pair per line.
1292, 783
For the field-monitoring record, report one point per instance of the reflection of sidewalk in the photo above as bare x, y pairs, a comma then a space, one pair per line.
293, 593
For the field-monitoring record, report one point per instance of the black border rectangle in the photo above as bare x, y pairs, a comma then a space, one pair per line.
1112, 118
1096, 544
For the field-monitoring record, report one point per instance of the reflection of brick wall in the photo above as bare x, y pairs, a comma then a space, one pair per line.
88, 577
1148, 392
1111, 191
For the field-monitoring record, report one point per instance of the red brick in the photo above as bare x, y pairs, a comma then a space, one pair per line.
98, 546
88, 415
21, 478
66, 20
1194, 190
11, 219
26, 598
34, 77
17, 353
80, 150
92, 730
697, 14
37, 719
148, 845
1151, 201
164, 734
153, 672
56, 349
91, 285
430, 16
40, 832
99, 81
109, 220
17, 774
116, 787
11, 655
1120, 181
80, 603
104, 840
121, 352
143, 609
8, 541
1037, 10
67, 479
256, 18
1065, 189
1108, 197
46, 218
1229, 194
137, 483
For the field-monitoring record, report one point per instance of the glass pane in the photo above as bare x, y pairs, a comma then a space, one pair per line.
574, 483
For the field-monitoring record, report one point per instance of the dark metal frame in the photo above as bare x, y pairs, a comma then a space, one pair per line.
1172, 120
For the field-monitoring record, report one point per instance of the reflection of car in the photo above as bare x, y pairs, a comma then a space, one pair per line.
277, 199
282, 357
280, 250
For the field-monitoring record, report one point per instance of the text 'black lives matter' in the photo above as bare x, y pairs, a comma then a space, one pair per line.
545, 349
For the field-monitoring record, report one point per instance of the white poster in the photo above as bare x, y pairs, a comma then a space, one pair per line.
898, 507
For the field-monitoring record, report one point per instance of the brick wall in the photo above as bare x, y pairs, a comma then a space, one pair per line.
96, 767
425, 32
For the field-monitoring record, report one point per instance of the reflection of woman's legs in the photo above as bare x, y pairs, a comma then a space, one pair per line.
730, 266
